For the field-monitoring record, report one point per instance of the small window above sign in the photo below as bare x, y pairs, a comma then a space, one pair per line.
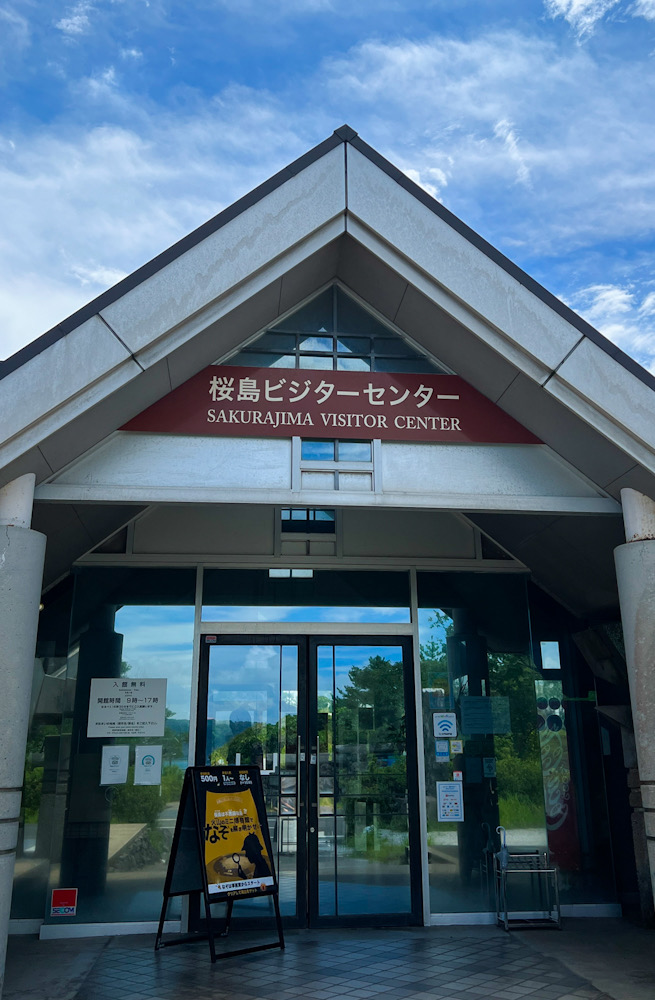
326, 450
282, 573
550, 659
335, 464
307, 521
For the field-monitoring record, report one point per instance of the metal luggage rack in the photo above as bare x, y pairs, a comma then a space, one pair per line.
532, 866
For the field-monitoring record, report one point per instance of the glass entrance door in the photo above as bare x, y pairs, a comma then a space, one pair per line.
326, 720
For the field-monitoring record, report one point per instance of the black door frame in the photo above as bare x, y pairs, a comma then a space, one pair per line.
271, 639
307, 843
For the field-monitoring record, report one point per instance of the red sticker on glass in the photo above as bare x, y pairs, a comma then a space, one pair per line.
63, 903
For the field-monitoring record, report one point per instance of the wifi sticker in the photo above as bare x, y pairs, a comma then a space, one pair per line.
445, 724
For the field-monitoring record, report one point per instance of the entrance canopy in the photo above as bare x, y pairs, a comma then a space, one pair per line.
339, 217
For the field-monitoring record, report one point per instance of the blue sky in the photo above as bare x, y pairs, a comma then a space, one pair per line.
124, 124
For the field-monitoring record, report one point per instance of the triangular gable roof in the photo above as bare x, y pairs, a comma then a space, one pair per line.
341, 211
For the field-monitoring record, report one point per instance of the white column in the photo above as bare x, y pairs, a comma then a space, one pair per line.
22, 553
635, 574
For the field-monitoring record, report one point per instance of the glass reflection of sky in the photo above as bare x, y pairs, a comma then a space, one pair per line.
550, 655
429, 627
248, 678
234, 665
282, 613
347, 657
158, 642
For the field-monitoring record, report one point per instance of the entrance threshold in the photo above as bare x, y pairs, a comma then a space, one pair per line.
590, 910
51, 932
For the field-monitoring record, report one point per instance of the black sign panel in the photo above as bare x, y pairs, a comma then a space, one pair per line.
221, 846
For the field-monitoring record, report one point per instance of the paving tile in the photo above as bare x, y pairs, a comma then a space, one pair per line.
348, 965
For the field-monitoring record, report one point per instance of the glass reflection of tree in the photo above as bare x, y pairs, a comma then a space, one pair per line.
370, 738
143, 803
518, 767
256, 741
518, 762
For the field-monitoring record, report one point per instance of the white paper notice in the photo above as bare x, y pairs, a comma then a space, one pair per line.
147, 766
127, 708
450, 802
113, 769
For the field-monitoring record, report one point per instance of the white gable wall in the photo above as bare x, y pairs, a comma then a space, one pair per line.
146, 468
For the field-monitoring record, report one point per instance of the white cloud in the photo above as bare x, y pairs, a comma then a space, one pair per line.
582, 15
647, 307
14, 29
81, 208
135, 54
76, 21
488, 113
101, 84
644, 8
32, 302
505, 131
623, 317
431, 180
278, 8
97, 275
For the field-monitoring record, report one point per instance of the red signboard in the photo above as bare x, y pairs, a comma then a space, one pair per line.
281, 402
63, 903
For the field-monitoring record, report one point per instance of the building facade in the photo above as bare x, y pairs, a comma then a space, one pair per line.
333, 488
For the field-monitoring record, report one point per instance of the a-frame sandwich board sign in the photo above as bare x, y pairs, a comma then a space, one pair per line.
221, 849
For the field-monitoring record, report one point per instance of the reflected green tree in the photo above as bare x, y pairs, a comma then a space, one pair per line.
518, 760
370, 742
257, 740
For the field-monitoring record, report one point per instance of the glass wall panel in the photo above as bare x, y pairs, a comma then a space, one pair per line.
315, 362
579, 762
257, 359
300, 613
351, 364
315, 317
363, 833
327, 820
318, 451
252, 718
331, 596
417, 365
478, 694
355, 451
353, 345
48, 738
322, 344
131, 631
321, 335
